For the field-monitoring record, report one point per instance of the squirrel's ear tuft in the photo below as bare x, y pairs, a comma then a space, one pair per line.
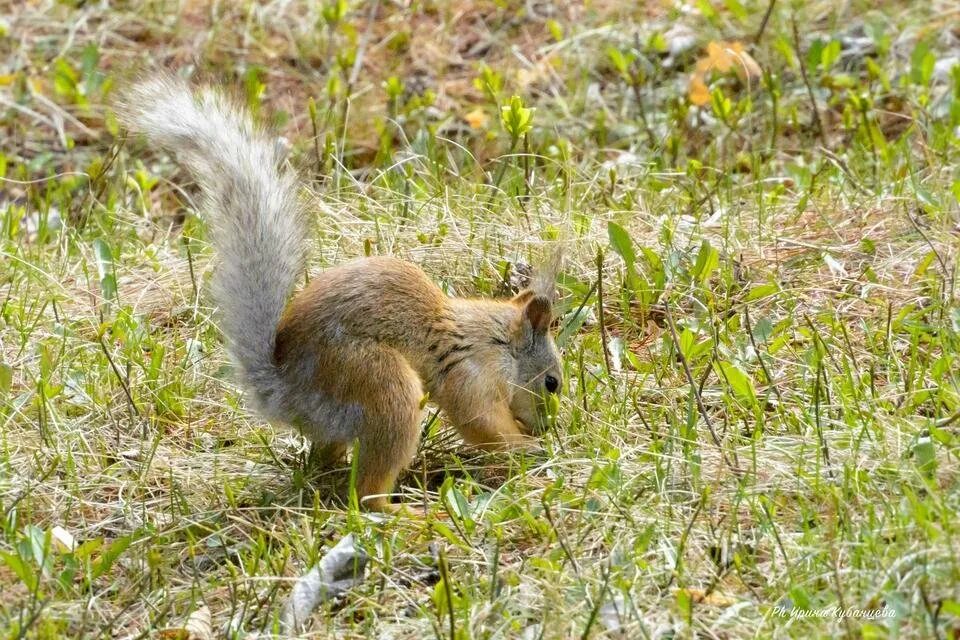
544, 281
539, 313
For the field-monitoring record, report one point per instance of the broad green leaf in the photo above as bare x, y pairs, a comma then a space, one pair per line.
815, 53
762, 291
617, 348
20, 569
739, 382
655, 269
621, 243
926, 455
571, 324
708, 259
737, 9
105, 270
830, 55
687, 340
922, 62
6, 379
924, 264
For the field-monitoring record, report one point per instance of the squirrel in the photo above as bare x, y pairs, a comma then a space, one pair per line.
352, 355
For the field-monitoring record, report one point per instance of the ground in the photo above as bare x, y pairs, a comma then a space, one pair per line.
758, 206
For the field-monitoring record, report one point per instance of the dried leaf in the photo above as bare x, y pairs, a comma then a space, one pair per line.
198, 626
698, 92
713, 598
722, 57
747, 68
719, 56
477, 118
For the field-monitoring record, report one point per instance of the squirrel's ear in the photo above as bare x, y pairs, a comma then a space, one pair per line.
538, 311
522, 298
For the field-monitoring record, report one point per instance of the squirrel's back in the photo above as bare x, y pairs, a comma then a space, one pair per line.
256, 218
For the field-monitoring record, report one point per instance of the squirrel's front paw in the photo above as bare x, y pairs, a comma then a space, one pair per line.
398, 509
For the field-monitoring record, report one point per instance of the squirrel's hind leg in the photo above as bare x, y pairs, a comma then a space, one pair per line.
390, 430
367, 392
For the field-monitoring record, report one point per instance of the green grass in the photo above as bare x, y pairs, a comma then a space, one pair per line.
760, 319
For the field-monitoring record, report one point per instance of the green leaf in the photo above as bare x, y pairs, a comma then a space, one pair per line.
20, 569
254, 87
516, 119
655, 270
555, 29
925, 453
708, 259
684, 602
621, 243
334, 11
448, 534
65, 79
739, 382
457, 503
617, 348
87, 549
6, 379
830, 55
922, 62
105, 270
489, 81
951, 607
924, 264
763, 329
687, 340
815, 53
40, 547
737, 9
706, 9
110, 555
572, 323
394, 87
618, 60
762, 291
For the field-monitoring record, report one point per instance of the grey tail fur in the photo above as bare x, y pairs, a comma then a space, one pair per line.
256, 218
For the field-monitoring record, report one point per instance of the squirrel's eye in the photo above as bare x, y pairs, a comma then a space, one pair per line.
551, 383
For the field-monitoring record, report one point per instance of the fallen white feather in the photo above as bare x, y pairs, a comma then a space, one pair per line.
339, 570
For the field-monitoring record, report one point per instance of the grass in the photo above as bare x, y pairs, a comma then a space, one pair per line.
760, 319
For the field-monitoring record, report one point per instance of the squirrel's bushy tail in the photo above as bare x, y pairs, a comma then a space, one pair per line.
254, 213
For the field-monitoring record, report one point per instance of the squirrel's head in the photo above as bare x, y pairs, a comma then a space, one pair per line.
539, 369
